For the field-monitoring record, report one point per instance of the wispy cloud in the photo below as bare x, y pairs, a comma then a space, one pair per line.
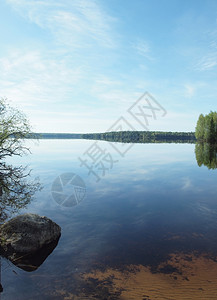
76, 23
76, 57
30, 78
113, 92
80, 32
208, 60
143, 48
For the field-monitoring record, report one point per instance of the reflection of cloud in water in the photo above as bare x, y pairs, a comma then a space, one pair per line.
155, 201
187, 184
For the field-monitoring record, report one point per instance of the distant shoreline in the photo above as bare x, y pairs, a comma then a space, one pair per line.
123, 136
54, 136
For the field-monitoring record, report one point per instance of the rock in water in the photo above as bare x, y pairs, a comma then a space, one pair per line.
26, 235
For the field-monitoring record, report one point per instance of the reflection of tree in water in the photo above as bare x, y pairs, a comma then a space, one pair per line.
16, 190
206, 154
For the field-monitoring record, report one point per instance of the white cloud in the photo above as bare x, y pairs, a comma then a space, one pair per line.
82, 68
208, 60
76, 23
30, 78
61, 71
114, 93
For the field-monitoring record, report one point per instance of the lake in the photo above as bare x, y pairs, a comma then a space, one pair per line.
143, 227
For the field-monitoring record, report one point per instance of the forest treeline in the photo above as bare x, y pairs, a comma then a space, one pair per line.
143, 137
123, 136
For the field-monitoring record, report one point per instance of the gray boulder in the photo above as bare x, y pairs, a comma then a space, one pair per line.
27, 234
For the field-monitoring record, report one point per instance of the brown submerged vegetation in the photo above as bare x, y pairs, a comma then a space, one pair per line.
181, 277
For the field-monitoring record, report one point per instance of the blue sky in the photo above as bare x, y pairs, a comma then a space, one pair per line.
78, 65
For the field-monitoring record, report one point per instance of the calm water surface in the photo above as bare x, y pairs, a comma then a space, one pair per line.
132, 216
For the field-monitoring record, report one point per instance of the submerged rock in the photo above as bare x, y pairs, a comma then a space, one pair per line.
31, 261
28, 239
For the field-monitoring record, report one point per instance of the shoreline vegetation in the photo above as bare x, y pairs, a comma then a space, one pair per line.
124, 136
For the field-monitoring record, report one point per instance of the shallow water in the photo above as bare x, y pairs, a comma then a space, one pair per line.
153, 204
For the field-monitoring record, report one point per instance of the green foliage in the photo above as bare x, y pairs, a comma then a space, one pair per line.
200, 127
206, 128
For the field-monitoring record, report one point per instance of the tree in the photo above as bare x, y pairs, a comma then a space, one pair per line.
199, 132
212, 134
14, 128
206, 128
15, 190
